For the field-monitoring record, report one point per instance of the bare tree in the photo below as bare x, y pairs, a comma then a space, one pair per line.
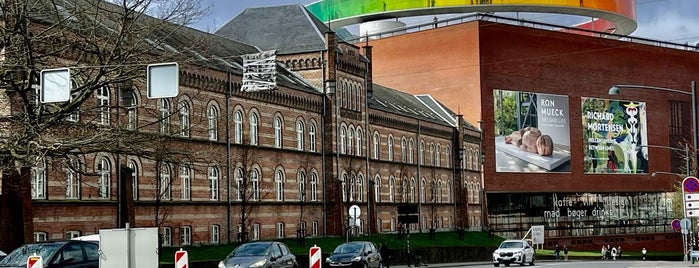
107, 46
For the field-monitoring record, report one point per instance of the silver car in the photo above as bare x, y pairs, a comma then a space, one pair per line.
266, 254
514, 251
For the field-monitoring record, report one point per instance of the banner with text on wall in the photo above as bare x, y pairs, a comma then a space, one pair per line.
615, 136
532, 132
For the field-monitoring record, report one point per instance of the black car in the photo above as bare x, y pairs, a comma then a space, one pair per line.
64, 254
356, 254
267, 254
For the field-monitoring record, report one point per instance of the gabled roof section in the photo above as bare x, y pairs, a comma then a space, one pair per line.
178, 42
289, 29
397, 102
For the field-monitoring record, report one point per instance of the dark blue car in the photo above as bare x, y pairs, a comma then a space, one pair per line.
355, 254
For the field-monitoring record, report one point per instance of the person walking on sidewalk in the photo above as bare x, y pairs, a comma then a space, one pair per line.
557, 252
565, 253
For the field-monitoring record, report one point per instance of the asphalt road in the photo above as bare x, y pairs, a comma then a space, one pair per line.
572, 264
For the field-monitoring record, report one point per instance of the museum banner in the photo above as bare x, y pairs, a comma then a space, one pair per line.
615, 136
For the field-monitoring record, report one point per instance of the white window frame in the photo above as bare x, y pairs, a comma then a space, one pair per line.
391, 188
279, 184
255, 232
102, 97
165, 182
238, 127
254, 123
239, 186
186, 235
72, 234
312, 136
411, 144
314, 186
134, 178
278, 131
255, 185
184, 119
73, 180
214, 175
104, 184
39, 180
40, 236
377, 188
350, 140
301, 177
186, 178
132, 112
215, 234
359, 136
389, 144
300, 129
212, 119
343, 139
376, 145
314, 228
166, 233
403, 150
280, 230
164, 109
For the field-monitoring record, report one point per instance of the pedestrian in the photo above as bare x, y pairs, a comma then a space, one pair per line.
614, 253
385, 255
643, 253
557, 252
565, 252
604, 252
608, 252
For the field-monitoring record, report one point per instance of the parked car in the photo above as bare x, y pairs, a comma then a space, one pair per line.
264, 254
69, 253
514, 251
356, 254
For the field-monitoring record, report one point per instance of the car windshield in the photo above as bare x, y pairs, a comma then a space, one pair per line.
348, 248
19, 256
253, 249
514, 244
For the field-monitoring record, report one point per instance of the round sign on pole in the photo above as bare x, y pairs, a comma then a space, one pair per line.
690, 184
354, 211
314, 255
676, 225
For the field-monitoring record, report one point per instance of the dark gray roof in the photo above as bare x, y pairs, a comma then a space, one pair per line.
290, 29
398, 102
176, 42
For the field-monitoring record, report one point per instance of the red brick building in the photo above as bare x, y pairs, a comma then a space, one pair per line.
599, 186
248, 165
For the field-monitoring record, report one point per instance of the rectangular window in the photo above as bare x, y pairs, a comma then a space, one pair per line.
280, 230
186, 234
255, 232
40, 236
103, 105
314, 228
72, 184
39, 182
72, 234
167, 236
215, 234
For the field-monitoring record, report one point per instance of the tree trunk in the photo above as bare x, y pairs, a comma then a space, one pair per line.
16, 217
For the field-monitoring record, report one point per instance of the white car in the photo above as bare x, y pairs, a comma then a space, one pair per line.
514, 251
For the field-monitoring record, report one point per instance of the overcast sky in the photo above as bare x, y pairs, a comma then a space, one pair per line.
666, 20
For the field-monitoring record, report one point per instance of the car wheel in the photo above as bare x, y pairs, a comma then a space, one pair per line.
380, 264
496, 264
524, 260
507, 264
532, 261
365, 265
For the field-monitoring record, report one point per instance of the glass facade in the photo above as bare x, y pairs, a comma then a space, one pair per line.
583, 214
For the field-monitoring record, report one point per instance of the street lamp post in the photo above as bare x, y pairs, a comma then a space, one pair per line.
616, 90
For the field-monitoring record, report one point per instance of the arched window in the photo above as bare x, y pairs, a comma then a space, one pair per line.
253, 129
300, 129
184, 118
403, 150
360, 188
279, 184
377, 188
312, 136
359, 136
301, 179
73, 178
432, 154
375, 151
412, 190
343, 138
344, 187
447, 196
238, 127
186, 178
438, 157
165, 184
447, 158
410, 150
213, 123
423, 190
239, 185
314, 186
164, 116
134, 178
278, 127
439, 191
390, 147
350, 140
131, 104
391, 188
421, 153
103, 105
104, 169
38, 174
255, 184
213, 182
